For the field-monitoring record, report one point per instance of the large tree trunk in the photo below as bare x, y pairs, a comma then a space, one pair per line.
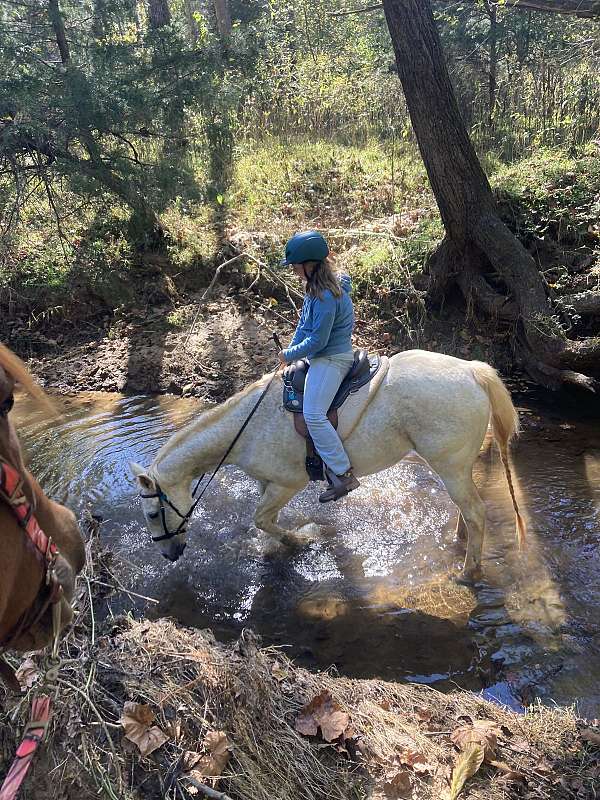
477, 241
159, 14
223, 15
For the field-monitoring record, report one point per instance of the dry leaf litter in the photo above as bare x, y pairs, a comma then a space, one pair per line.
154, 710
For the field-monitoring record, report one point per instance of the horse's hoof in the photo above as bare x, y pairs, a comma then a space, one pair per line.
469, 578
307, 534
263, 545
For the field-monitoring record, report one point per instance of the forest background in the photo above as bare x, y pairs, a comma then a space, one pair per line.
143, 144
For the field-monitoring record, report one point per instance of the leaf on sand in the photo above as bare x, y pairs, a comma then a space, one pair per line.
27, 674
483, 732
217, 748
398, 785
323, 712
467, 764
587, 734
137, 720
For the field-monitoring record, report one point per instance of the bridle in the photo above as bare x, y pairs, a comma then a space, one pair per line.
164, 501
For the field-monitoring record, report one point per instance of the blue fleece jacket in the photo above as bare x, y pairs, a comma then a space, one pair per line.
325, 326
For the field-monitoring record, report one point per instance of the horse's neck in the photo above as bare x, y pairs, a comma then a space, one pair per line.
200, 446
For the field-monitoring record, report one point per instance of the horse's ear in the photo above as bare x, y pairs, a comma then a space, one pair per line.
142, 477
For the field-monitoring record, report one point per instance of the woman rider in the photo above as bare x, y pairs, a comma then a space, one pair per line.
324, 335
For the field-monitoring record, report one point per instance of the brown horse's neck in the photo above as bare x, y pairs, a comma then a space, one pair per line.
21, 575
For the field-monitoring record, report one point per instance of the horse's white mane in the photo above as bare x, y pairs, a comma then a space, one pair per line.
209, 416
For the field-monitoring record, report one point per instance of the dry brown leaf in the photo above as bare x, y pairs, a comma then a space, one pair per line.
483, 732
189, 760
416, 760
514, 777
27, 674
588, 735
423, 714
137, 719
398, 785
212, 764
467, 764
509, 773
323, 712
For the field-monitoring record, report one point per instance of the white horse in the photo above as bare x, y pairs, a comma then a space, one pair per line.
434, 404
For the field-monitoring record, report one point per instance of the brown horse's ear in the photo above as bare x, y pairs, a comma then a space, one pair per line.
142, 477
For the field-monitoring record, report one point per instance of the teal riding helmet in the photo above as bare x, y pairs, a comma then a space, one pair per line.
306, 246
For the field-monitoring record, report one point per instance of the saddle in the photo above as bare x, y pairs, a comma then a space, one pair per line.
363, 369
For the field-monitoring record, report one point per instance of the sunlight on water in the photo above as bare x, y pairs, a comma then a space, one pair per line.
373, 595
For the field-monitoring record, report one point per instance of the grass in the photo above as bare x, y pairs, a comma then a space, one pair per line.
373, 201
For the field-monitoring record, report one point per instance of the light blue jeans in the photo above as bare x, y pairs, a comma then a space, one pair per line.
322, 382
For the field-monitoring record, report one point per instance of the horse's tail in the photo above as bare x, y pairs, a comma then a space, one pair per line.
17, 369
505, 424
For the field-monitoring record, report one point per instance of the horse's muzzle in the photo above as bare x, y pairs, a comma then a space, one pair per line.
175, 551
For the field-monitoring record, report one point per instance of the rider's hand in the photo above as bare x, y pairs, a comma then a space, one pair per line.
282, 361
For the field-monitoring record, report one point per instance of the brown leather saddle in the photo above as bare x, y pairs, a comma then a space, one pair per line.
363, 369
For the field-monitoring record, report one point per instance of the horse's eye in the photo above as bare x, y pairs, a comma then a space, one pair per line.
154, 515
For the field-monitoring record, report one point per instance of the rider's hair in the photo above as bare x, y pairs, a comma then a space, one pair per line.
324, 276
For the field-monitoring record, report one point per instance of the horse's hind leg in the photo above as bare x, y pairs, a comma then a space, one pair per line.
461, 532
464, 494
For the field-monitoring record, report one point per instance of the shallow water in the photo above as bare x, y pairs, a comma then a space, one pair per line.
374, 596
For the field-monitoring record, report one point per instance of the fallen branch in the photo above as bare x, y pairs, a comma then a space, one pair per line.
588, 9
202, 787
207, 291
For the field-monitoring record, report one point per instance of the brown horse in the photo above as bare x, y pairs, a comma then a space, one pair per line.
23, 591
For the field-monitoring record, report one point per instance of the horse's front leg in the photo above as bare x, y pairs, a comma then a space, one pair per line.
273, 499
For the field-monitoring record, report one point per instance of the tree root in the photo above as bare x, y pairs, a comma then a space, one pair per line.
540, 344
584, 303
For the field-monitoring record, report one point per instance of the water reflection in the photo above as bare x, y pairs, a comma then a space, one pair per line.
373, 596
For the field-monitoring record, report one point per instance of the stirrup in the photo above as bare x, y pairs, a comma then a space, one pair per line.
339, 485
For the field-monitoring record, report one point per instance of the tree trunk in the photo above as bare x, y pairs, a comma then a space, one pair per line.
477, 241
493, 73
159, 14
95, 167
58, 26
223, 15
192, 24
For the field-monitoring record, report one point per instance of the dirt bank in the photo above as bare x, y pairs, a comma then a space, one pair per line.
211, 346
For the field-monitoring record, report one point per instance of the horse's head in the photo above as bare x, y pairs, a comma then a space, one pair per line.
166, 509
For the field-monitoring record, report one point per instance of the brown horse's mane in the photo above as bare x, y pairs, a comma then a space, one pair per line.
17, 369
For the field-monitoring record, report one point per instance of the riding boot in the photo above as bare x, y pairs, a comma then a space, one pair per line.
339, 485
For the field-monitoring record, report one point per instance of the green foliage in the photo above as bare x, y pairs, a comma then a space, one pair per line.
147, 136
555, 194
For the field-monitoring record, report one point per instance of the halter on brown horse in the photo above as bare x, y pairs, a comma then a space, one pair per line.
26, 597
